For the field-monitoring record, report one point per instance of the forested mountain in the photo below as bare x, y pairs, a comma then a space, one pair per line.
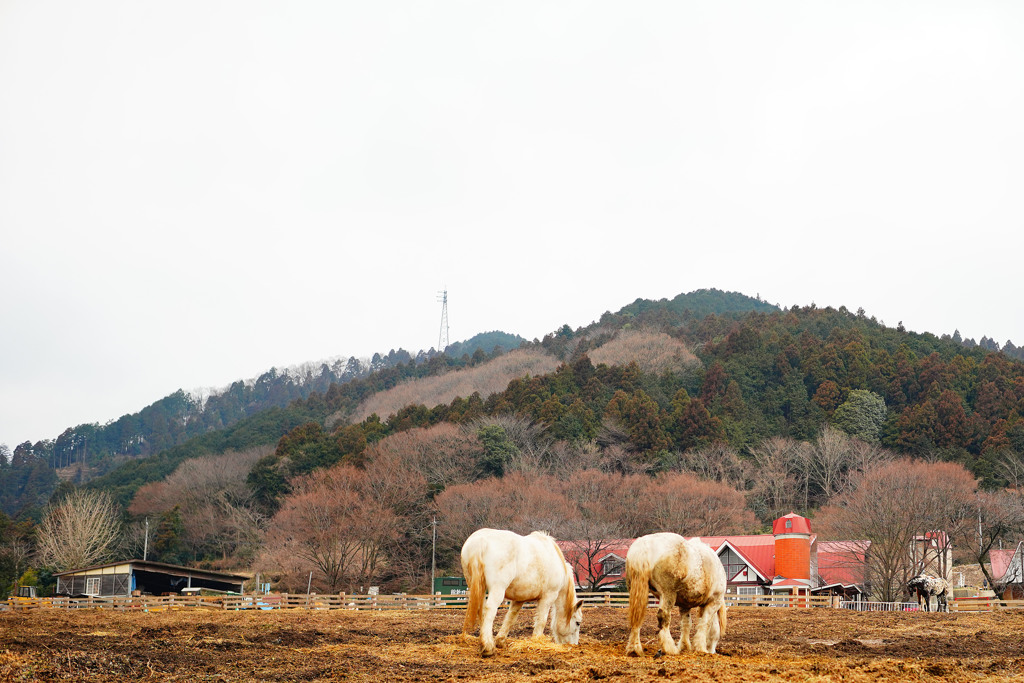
711, 396
86, 451
762, 375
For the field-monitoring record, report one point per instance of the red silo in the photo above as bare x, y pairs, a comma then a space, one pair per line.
792, 546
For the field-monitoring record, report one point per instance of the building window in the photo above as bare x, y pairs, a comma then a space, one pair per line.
613, 565
732, 563
92, 585
748, 590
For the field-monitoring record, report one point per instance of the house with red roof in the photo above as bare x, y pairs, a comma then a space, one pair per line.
1008, 571
785, 561
842, 565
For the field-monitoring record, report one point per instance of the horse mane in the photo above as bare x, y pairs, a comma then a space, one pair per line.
568, 596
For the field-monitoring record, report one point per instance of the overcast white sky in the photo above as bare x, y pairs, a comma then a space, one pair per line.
192, 192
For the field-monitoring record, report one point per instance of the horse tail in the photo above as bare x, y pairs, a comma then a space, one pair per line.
475, 580
723, 618
638, 576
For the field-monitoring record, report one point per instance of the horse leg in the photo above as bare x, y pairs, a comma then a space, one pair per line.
541, 617
491, 604
684, 630
506, 624
665, 622
701, 638
714, 630
708, 629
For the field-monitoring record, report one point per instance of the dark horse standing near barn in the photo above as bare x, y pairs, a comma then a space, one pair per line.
925, 586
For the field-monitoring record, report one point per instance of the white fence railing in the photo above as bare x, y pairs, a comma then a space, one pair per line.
866, 606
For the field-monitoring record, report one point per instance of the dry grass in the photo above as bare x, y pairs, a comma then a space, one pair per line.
653, 352
486, 379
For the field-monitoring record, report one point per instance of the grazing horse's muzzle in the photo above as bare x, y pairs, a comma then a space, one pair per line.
570, 634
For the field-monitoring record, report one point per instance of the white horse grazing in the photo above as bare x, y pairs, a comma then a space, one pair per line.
504, 565
680, 572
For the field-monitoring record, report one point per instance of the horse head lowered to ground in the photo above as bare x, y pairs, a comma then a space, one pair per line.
924, 586
500, 565
680, 572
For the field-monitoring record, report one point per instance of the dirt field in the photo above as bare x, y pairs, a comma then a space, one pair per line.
761, 645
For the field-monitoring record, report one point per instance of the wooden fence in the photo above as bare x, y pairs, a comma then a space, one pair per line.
984, 604
147, 603
282, 601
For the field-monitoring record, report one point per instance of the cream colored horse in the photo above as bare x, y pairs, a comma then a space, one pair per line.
680, 572
501, 565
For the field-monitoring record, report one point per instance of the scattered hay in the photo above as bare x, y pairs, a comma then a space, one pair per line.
538, 645
761, 645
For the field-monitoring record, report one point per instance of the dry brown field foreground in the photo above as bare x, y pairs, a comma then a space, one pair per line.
762, 644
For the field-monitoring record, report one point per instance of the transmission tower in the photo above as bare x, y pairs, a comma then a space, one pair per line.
442, 339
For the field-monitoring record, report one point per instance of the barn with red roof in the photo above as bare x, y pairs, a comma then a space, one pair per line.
785, 562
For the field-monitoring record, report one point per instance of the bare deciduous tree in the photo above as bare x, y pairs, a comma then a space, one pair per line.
82, 530
586, 543
1011, 468
443, 454
717, 462
607, 511
218, 508
776, 489
827, 461
892, 506
330, 524
14, 556
686, 505
992, 516
518, 502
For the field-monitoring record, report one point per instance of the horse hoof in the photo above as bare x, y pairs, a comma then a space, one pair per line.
499, 642
487, 653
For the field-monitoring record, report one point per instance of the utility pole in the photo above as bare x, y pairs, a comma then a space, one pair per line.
145, 544
433, 554
980, 537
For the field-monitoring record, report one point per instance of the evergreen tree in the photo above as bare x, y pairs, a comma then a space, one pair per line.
861, 415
